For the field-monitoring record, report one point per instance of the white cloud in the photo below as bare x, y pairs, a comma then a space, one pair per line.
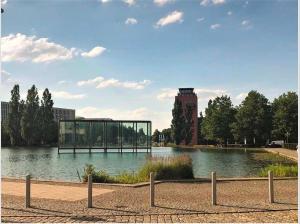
174, 17
246, 24
162, 2
130, 2
131, 21
159, 119
62, 82
3, 2
200, 19
96, 51
203, 94
215, 26
99, 82
241, 96
21, 48
229, 13
104, 1
212, 2
6, 78
67, 95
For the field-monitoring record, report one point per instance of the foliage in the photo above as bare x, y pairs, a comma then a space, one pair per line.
31, 118
14, 117
155, 136
253, 119
179, 167
280, 170
188, 131
285, 117
178, 122
201, 139
5, 139
167, 135
47, 123
219, 115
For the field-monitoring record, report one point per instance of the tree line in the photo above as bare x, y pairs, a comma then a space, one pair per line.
29, 122
255, 121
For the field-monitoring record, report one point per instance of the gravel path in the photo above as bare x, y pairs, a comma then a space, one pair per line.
238, 201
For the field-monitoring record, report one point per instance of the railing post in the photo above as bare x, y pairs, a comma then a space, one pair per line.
90, 191
213, 188
271, 187
151, 189
27, 191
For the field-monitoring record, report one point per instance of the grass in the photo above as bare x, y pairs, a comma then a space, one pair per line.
175, 167
280, 170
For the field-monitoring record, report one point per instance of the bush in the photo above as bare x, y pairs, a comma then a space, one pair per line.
280, 170
179, 167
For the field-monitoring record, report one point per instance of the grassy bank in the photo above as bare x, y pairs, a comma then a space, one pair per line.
175, 167
280, 170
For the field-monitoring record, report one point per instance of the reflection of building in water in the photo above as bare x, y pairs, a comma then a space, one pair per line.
104, 134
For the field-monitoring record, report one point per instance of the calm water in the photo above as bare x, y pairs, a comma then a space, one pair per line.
46, 163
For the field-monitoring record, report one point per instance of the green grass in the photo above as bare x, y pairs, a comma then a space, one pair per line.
176, 167
280, 170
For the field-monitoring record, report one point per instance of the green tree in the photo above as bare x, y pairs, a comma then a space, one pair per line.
178, 122
200, 134
14, 117
5, 139
155, 136
30, 122
253, 119
167, 135
285, 117
47, 123
219, 115
188, 127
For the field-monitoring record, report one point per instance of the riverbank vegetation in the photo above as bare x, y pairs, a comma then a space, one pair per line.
165, 168
254, 122
280, 170
30, 122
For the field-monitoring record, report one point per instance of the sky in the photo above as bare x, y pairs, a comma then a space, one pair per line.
126, 59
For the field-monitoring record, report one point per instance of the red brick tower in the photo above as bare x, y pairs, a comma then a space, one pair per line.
187, 97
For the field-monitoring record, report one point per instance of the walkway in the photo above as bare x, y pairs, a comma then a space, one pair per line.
238, 201
292, 154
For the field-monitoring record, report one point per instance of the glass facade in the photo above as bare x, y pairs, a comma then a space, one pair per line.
104, 134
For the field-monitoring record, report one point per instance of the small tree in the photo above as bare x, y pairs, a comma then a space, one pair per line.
14, 117
178, 122
188, 128
155, 136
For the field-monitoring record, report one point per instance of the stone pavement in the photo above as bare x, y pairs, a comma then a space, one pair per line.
65, 193
229, 217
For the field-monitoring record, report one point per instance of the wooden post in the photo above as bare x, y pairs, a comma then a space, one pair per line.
271, 187
213, 188
90, 191
27, 192
151, 189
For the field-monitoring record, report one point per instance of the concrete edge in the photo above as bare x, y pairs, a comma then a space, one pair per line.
196, 180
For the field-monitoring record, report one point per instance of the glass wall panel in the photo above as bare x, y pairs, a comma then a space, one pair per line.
82, 134
66, 134
149, 134
112, 135
128, 134
97, 134
141, 134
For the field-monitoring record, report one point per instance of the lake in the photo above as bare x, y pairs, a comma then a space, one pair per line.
47, 164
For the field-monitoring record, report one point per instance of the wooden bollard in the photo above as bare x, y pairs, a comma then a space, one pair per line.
213, 188
271, 186
27, 192
151, 189
90, 191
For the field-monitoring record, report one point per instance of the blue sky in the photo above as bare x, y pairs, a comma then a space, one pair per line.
126, 59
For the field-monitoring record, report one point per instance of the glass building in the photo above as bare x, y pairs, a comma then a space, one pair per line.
104, 134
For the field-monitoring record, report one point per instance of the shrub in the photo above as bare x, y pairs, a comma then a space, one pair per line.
280, 170
177, 167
